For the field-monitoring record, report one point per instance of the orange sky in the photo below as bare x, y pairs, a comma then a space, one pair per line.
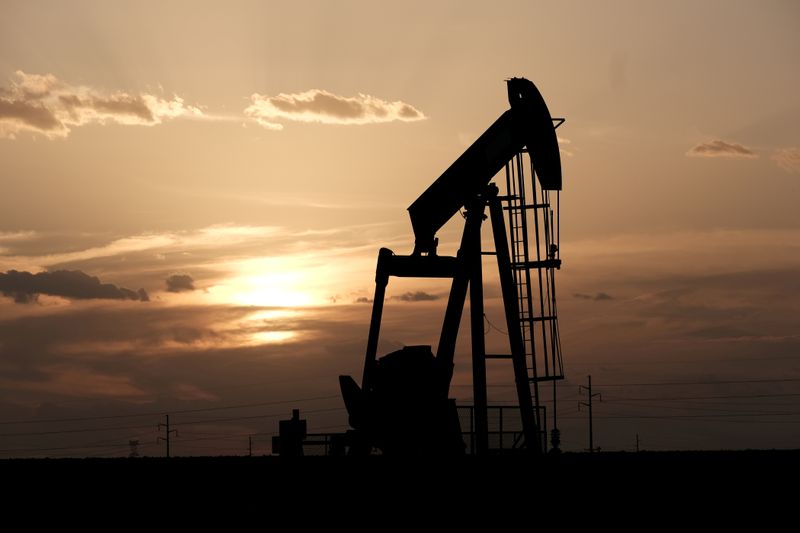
266, 151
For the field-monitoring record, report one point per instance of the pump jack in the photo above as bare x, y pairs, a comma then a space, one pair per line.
402, 405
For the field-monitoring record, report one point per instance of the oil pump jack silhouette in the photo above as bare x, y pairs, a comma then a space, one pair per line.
402, 406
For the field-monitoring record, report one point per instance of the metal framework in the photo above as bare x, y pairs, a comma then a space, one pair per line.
525, 233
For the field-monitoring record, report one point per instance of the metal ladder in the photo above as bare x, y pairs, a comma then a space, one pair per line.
539, 253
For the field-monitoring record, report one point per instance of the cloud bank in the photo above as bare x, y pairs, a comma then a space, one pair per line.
25, 287
317, 105
418, 296
719, 148
49, 106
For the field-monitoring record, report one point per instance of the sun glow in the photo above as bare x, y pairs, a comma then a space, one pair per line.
274, 290
281, 282
273, 337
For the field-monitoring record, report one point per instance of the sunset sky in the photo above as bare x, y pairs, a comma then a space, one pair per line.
228, 171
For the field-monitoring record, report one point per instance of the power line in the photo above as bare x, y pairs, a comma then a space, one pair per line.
190, 423
59, 448
727, 396
694, 416
721, 382
688, 408
493, 327
214, 420
161, 413
184, 441
76, 399
80, 430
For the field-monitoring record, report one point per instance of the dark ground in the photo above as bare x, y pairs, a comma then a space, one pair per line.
648, 491
688, 478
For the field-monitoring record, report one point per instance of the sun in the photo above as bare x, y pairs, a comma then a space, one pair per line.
274, 289
289, 281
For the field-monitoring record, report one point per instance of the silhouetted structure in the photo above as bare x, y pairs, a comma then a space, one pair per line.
588, 404
169, 433
289, 442
402, 405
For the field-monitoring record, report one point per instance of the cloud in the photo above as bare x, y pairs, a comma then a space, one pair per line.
718, 148
6, 236
685, 324
600, 296
44, 104
418, 296
317, 105
180, 283
25, 287
788, 159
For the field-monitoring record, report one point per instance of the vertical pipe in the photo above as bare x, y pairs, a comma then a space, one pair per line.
479, 393
501, 410
458, 292
381, 280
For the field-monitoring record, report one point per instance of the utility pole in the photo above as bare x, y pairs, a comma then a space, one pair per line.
169, 433
250, 446
637, 443
588, 404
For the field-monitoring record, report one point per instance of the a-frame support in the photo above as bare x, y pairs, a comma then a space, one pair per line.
467, 272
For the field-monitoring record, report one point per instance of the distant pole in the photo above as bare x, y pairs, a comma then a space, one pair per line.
250, 446
588, 404
169, 434
637, 443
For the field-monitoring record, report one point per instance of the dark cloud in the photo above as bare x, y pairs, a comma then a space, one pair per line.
49, 106
320, 102
418, 296
25, 287
124, 104
322, 106
116, 104
718, 148
180, 283
105, 356
96, 361
363, 300
600, 296
34, 115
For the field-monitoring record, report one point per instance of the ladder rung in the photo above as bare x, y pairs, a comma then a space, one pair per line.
488, 253
537, 318
526, 206
498, 356
545, 378
547, 263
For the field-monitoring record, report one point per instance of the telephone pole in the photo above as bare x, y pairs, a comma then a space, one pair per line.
588, 404
169, 433
250, 446
637, 443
